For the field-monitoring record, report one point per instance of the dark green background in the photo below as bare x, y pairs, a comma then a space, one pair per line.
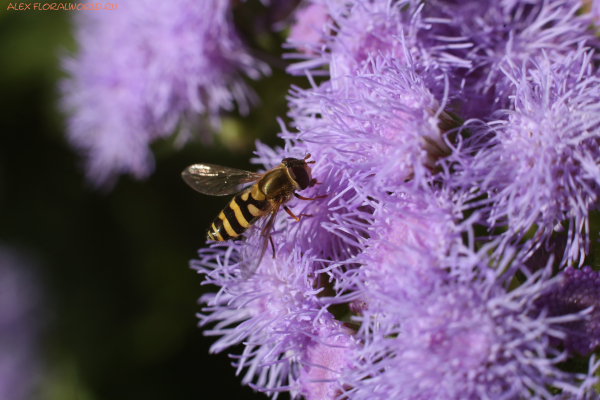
120, 299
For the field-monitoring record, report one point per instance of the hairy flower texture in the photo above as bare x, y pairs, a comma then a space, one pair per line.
367, 30
145, 69
309, 28
359, 31
577, 290
458, 337
403, 251
292, 343
20, 364
538, 167
467, 41
380, 129
487, 34
390, 244
433, 319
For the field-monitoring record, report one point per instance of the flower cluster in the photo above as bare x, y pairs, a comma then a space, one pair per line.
427, 271
537, 160
145, 71
457, 145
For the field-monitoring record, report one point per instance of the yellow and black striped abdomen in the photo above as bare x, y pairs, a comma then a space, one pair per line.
239, 215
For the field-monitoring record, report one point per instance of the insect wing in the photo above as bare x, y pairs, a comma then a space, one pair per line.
257, 241
217, 180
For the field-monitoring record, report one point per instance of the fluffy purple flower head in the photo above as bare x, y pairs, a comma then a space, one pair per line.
430, 312
292, 342
485, 34
145, 70
359, 31
309, 28
386, 292
327, 359
20, 366
577, 290
462, 340
366, 30
403, 253
380, 128
466, 41
539, 169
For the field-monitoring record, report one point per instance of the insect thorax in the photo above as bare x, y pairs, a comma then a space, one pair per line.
276, 183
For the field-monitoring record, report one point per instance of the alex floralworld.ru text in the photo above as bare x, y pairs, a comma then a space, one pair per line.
61, 6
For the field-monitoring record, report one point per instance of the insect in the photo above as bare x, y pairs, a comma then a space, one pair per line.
254, 207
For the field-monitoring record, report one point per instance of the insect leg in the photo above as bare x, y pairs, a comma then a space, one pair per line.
272, 245
309, 198
287, 210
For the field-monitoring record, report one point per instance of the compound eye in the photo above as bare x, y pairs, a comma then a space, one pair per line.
300, 176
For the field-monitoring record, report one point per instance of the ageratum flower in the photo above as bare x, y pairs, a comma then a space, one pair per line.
145, 70
538, 165
380, 128
468, 42
309, 28
20, 364
358, 31
577, 290
487, 33
462, 340
292, 343
389, 252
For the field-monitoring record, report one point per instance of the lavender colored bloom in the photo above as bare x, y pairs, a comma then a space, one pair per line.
436, 321
461, 340
538, 164
429, 310
486, 34
359, 31
20, 366
145, 70
575, 292
292, 342
309, 28
380, 127
468, 42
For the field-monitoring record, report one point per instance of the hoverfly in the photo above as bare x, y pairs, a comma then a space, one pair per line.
254, 207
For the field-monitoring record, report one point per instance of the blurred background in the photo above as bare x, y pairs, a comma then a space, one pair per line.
103, 293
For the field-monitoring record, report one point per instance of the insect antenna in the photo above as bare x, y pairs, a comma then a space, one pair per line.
306, 157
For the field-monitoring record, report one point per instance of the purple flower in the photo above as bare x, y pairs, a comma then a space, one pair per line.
20, 364
380, 127
146, 70
292, 343
360, 31
468, 42
461, 340
326, 360
309, 28
387, 292
537, 166
577, 290
486, 34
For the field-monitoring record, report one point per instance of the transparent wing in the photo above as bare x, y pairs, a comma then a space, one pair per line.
257, 241
217, 180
